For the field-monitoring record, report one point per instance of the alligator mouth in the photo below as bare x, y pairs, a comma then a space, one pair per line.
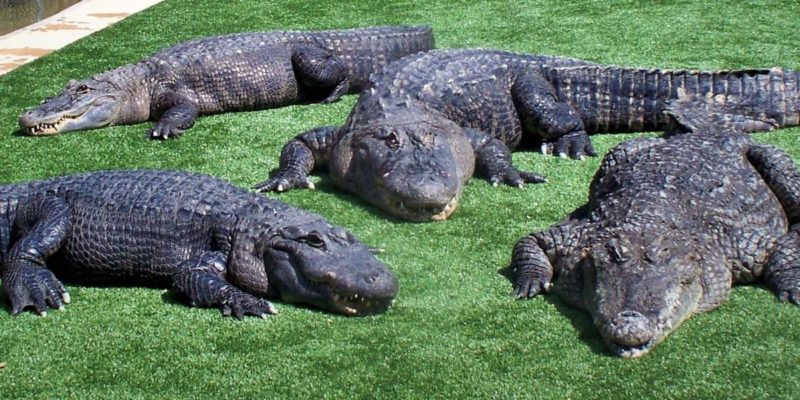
356, 305
662, 330
352, 304
426, 213
632, 351
44, 129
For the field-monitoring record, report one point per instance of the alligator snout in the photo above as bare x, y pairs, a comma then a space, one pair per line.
26, 119
630, 328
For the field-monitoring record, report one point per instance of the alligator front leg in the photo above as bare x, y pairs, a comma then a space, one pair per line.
541, 112
298, 159
782, 271
493, 159
779, 172
534, 260
177, 114
316, 68
530, 271
201, 281
26, 280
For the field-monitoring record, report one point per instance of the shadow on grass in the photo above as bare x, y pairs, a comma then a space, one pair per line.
582, 322
579, 319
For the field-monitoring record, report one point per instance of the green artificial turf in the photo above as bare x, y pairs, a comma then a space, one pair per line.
455, 331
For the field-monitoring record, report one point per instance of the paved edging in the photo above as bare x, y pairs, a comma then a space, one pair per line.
31, 42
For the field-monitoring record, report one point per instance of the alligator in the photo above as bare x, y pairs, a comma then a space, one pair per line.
670, 224
213, 243
236, 72
431, 119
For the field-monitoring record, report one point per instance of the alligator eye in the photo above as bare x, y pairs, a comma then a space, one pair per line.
82, 89
314, 239
392, 141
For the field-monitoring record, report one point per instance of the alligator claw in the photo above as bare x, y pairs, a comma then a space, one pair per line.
790, 295
529, 288
529, 271
516, 178
238, 304
33, 286
575, 145
164, 131
283, 182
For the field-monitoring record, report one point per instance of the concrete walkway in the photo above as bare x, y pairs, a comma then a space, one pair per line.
33, 41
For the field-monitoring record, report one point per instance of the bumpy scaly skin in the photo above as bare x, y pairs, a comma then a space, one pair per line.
215, 244
419, 133
670, 225
247, 71
478, 105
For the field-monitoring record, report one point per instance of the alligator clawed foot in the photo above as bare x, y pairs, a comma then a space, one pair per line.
238, 304
576, 146
284, 182
164, 132
530, 288
516, 178
790, 295
526, 285
36, 287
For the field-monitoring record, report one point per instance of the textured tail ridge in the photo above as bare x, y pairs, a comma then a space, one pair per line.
613, 99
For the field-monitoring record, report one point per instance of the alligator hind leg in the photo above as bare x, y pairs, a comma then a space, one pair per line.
45, 224
201, 280
541, 112
317, 68
177, 114
782, 271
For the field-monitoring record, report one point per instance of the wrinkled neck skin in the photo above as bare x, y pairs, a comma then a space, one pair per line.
116, 97
300, 258
411, 163
136, 86
133, 86
638, 290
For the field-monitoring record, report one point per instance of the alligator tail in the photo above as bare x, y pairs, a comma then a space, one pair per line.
613, 99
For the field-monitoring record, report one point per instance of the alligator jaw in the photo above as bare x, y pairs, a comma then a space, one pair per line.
632, 351
47, 129
424, 214
355, 305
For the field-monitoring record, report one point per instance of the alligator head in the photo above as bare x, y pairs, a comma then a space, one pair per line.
638, 289
315, 263
87, 104
413, 166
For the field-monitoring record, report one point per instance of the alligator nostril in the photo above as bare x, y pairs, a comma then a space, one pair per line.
630, 314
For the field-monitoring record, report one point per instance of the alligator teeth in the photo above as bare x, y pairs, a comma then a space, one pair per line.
45, 128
